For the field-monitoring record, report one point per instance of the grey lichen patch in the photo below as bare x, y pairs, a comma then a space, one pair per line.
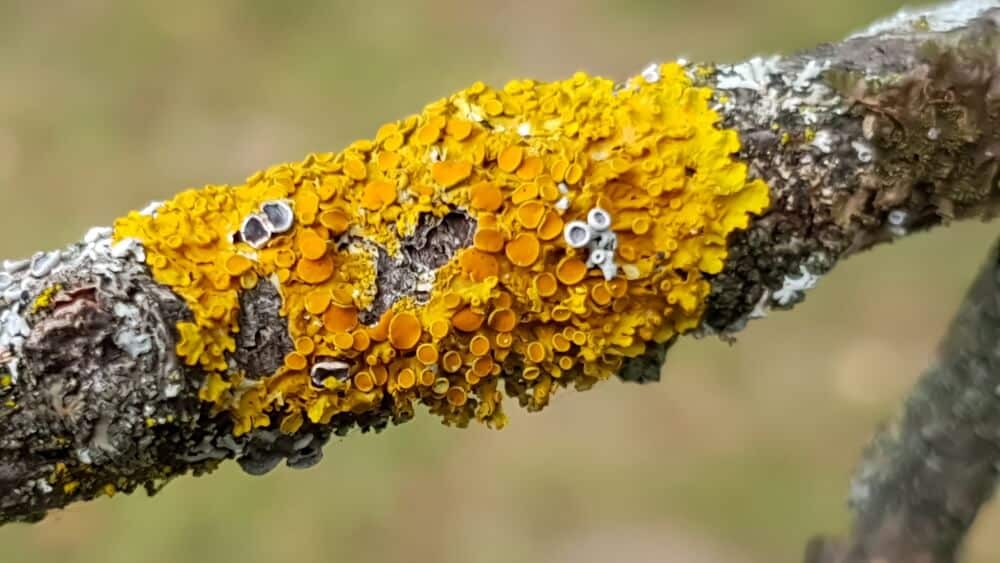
796, 136
263, 340
410, 272
99, 403
266, 449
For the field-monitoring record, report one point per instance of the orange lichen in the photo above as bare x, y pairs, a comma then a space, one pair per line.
523, 250
479, 345
335, 220
314, 272
404, 331
311, 245
551, 226
510, 158
570, 270
503, 320
467, 320
340, 319
237, 264
489, 240
518, 305
427, 354
450, 173
317, 301
406, 378
530, 214
486, 196
377, 194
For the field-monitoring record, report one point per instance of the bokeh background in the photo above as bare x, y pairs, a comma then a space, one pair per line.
740, 453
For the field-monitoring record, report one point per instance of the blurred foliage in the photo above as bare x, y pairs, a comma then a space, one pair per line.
739, 455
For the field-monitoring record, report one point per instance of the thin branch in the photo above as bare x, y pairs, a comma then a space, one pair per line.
924, 479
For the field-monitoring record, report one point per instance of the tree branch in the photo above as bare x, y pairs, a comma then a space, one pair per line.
924, 479
252, 322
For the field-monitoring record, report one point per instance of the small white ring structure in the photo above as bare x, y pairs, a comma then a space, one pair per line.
279, 216
598, 257
331, 368
599, 219
255, 232
577, 234
897, 217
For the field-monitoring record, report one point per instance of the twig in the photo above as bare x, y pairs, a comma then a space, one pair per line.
924, 479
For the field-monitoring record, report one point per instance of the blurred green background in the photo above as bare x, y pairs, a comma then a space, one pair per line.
739, 455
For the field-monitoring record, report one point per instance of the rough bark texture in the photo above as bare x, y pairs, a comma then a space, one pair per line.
862, 142
892, 131
923, 480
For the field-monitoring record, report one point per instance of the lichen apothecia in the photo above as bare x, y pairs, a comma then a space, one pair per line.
599, 213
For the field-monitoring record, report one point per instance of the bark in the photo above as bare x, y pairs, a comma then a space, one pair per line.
923, 480
892, 131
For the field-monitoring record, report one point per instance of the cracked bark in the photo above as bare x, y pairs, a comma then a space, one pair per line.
862, 142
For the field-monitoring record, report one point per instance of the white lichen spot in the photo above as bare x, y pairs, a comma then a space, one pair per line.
43, 263
332, 368
805, 78
577, 234
83, 454
897, 220
562, 204
897, 217
13, 329
933, 133
824, 141
755, 74
171, 390
278, 215
95, 234
255, 231
595, 235
863, 150
651, 74
792, 288
761, 308
151, 209
15, 266
128, 337
128, 248
435, 154
935, 19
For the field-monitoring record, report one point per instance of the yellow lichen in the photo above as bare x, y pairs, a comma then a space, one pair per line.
518, 304
44, 298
